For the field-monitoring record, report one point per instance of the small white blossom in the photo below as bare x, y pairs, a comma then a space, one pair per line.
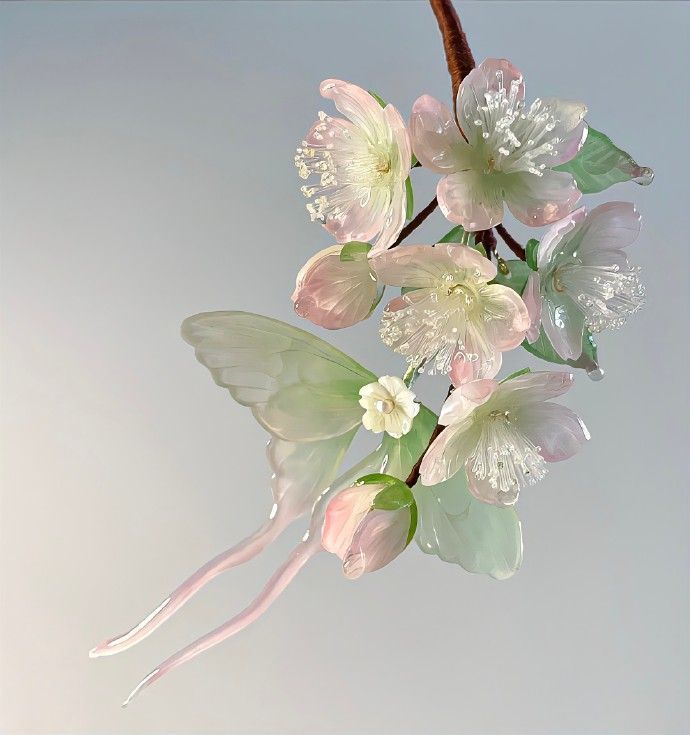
390, 406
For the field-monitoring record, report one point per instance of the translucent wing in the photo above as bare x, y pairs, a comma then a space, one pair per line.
394, 456
458, 528
305, 393
298, 387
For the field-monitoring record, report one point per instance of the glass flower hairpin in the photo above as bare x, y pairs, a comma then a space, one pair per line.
312, 399
452, 481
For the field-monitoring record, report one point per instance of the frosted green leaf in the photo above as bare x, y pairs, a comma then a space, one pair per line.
298, 387
458, 528
402, 454
516, 278
531, 253
600, 164
354, 250
543, 349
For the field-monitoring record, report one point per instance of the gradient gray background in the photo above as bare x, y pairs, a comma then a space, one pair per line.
146, 154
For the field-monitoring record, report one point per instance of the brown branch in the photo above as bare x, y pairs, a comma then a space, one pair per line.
511, 242
413, 224
488, 240
413, 477
458, 55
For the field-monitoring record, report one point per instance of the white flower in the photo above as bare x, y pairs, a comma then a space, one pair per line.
362, 164
584, 278
453, 314
390, 406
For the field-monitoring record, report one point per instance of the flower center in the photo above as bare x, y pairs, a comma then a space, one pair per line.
385, 406
505, 456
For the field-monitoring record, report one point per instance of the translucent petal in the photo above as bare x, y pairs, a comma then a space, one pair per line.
532, 298
464, 399
459, 529
540, 200
564, 325
379, 538
506, 317
570, 130
491, 75
471, 199
532, 387
356, 104
556, 430
448, 452
610, 226
436, 139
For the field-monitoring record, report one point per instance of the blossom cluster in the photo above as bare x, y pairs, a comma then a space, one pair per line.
451, 481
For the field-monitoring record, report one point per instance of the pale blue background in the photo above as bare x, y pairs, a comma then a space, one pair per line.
146, 156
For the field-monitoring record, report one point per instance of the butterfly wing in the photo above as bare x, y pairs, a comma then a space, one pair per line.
298, 387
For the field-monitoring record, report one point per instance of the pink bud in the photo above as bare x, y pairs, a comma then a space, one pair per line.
365, 538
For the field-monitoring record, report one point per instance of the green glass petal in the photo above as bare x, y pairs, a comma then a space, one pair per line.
600, 164
459, 529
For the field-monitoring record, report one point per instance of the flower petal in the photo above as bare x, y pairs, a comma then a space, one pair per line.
415, 266
436, 139
448, 452
551, 241
556, 430
356, 104
402, 139
570, 130
507, 319
464, 370
483, 490
609, 226
468, 198
540, 200
464, 399
379, 538
532, 298
491, 76
533, 387
564, 325
393, 221
334, 293
343, 514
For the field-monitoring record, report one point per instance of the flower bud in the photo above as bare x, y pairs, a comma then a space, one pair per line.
369, 524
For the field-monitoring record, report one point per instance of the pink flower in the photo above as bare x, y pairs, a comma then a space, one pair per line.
503, 152
453, 315
364, 537
361, 163
585, 280
503, 434
334, 292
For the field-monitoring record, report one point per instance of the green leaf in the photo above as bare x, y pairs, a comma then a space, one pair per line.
516, 277
378, 478
409, 194
454, 235
531, 253
397, 495
517, 374
402, 454
457, 234
543, 349
600, 164
378, 98
354, 250
459, 529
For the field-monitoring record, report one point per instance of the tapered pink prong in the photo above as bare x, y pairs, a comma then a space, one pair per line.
239, 554
299, 556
